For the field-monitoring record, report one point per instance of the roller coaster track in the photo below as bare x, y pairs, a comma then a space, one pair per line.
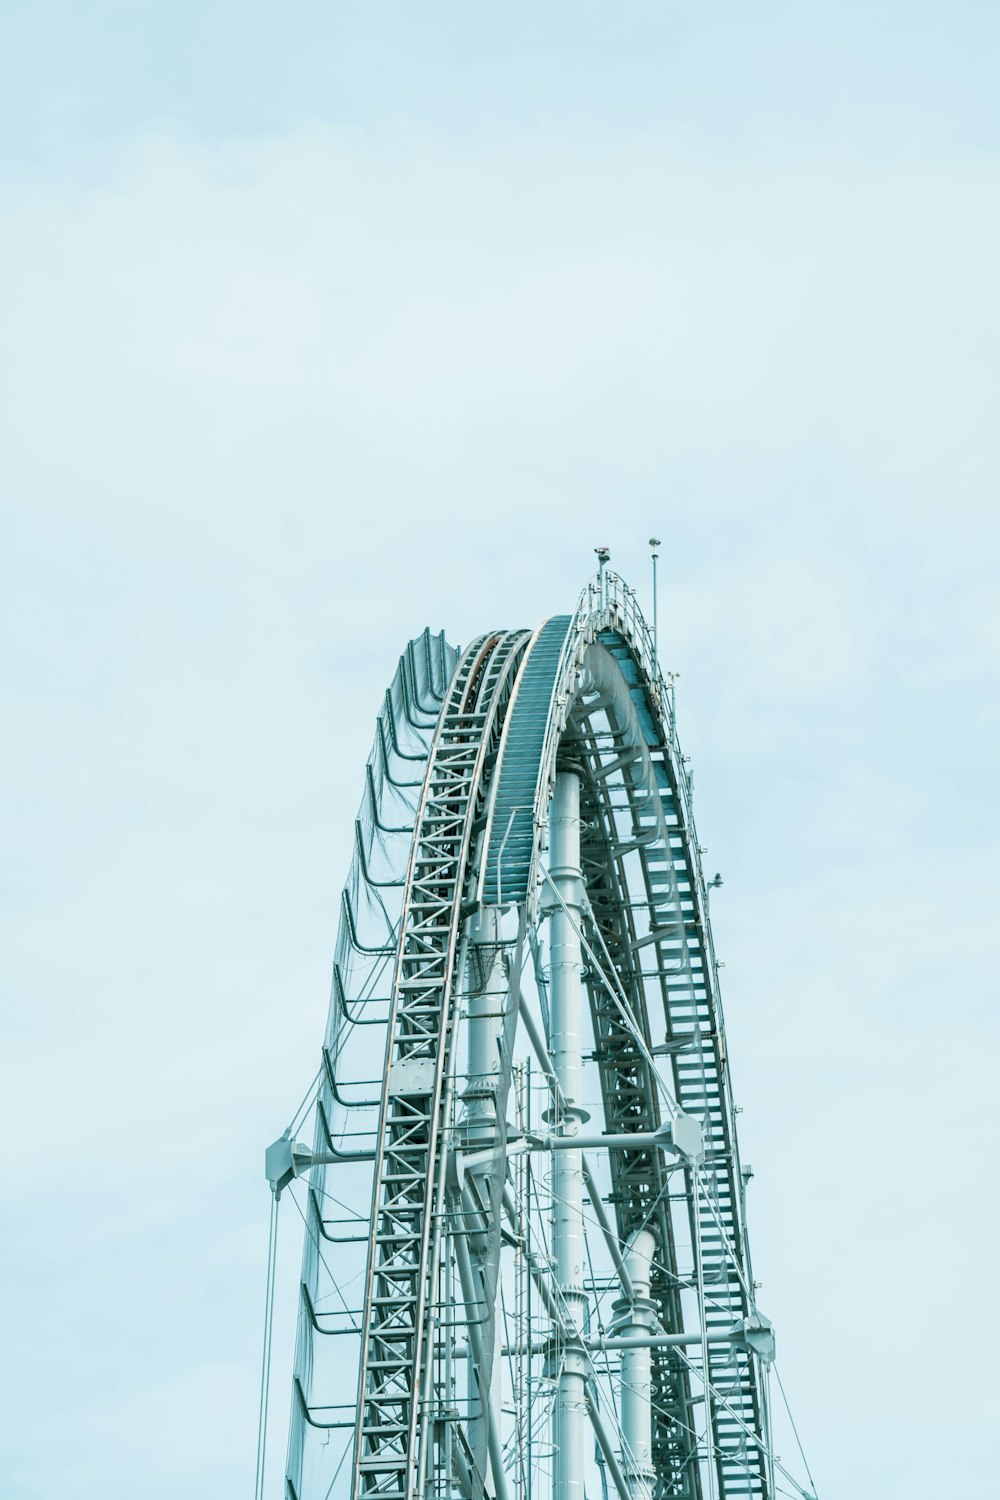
404, 1250
526, 834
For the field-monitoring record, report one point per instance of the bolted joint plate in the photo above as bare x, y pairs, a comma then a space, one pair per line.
756, 1335
284, 1161
412, 1077
686, 1137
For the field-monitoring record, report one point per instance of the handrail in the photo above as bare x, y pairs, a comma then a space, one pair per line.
384, 752
390, 717
383, 950
397, 881
373, 805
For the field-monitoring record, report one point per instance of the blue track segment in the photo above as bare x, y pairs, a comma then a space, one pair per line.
513, 826
622, 653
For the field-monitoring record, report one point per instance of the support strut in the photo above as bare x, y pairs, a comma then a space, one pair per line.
569, 1364
637, 1318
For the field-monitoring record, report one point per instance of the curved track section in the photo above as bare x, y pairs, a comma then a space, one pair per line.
347, 1105
404, 1249
524, 1200
511, 846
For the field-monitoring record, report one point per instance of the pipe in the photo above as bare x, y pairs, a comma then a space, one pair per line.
487, 1411
486, 986
607, 1447
638, 1319
571, 1366
612, 1344
485, 1027
611, 1239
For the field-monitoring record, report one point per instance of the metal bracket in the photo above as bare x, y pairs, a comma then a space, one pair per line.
286, 1159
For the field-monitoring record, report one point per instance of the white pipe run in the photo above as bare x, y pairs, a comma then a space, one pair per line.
636, 1319
490, 1416
485, 1026
486, 973
571, 1366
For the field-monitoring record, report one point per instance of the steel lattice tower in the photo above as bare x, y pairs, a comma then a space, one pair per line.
526, 1273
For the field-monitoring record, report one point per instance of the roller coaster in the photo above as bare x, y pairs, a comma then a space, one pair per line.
525, 1270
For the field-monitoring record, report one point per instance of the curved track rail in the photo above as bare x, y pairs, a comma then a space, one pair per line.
526, 838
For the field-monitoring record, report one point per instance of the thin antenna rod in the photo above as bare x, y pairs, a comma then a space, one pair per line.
654, 543
603, 555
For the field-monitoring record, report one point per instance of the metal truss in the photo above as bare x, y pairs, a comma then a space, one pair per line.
526, 1271
395, 1405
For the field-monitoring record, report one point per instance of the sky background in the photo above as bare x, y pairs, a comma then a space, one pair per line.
322, 322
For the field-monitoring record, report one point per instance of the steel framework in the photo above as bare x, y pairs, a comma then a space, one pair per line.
526, 1270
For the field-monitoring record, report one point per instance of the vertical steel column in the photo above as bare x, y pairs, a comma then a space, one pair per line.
570, 1365
637, 1316
487, 985
654, 543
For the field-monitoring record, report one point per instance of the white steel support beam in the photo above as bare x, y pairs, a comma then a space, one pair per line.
571, 1367
682, 1136
487, 986
754, 1334
637, 1319
607, 1448
474, 1307
610, 1237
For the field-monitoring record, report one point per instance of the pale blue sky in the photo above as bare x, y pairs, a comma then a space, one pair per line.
324, 322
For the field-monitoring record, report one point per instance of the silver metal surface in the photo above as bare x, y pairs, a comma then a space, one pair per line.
568, 1364
501, 1295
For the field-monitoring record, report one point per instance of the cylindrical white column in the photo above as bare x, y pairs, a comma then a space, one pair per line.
487, 988
565, 1046
487, 985
637, 1316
